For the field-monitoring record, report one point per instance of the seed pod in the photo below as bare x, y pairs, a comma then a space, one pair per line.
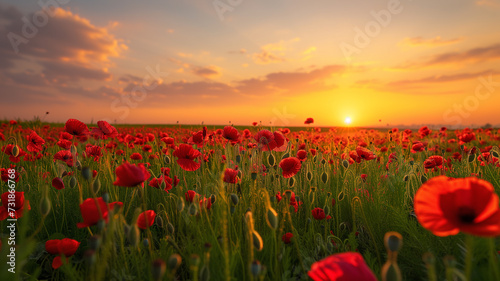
423, 178
15, 151
72, 149
324, 177
213, 198
271, 160
405, 179
96, 185
45, 206
345, 163
134, 235
471, 158
286, 155
256, 268
258, 243
72, 182
272, 218
204, 273
86, 173
234, 199
238, 158
309, 175
159, 221
180, 204
193, 210
158, 269
166, 159
291, 182
174, 261
393, 241
170, 228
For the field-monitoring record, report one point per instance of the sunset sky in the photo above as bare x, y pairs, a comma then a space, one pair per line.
280, 61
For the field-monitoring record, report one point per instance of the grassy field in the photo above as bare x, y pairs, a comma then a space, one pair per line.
247, 223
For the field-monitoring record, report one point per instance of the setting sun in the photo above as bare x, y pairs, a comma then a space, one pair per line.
347, 120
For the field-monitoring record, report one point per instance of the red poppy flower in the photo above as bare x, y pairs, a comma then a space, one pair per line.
92, 212
157, 182
136, 156
348, 266
186, 155
190, 194
66, 247
146, 219
7, 149
58, 183
309, 121
417, 147
130, 175
364, 153
6, 176
205, 203
318, 213
65, 156
466, 137
230, 176
287, 237
302, 155
254, 123
104, 130
270, 141
35, 142
18, 208
231, 134
424, 131
446, 206
76, 128
290, 166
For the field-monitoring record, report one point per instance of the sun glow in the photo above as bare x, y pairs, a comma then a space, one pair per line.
347, 120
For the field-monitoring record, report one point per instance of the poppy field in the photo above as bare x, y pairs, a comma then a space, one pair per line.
177, 202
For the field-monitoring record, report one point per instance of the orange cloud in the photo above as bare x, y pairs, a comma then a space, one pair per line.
274, 52
207, 72
436, 41
474, 55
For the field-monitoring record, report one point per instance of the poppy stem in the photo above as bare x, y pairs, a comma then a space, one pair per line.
493, 258
469, 244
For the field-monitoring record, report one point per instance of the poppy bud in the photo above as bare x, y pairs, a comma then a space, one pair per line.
89, 257
345, 163
180, 204
193, 210
94, 242
159, 221
166, 159
72, 149
195, 260
158, 269
238, 158
15, 151
78, 164
393, 241
423, 178
315, 158
105, 197
72, 182
323, 161
341, 196
258, 243
471, 158
86, 173
405, 178
286, 155
272, 218
204, 273
213, 198
309, 175
174, 261
324, 177
45, 206
134, 235
291, 182
170, 228
256, 268
234, 199
96, 185
271, 160
495, 154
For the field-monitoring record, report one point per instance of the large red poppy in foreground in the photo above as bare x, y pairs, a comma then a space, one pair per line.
447, 206
130, 175
349, 266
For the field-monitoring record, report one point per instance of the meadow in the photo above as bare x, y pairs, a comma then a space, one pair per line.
98, 202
